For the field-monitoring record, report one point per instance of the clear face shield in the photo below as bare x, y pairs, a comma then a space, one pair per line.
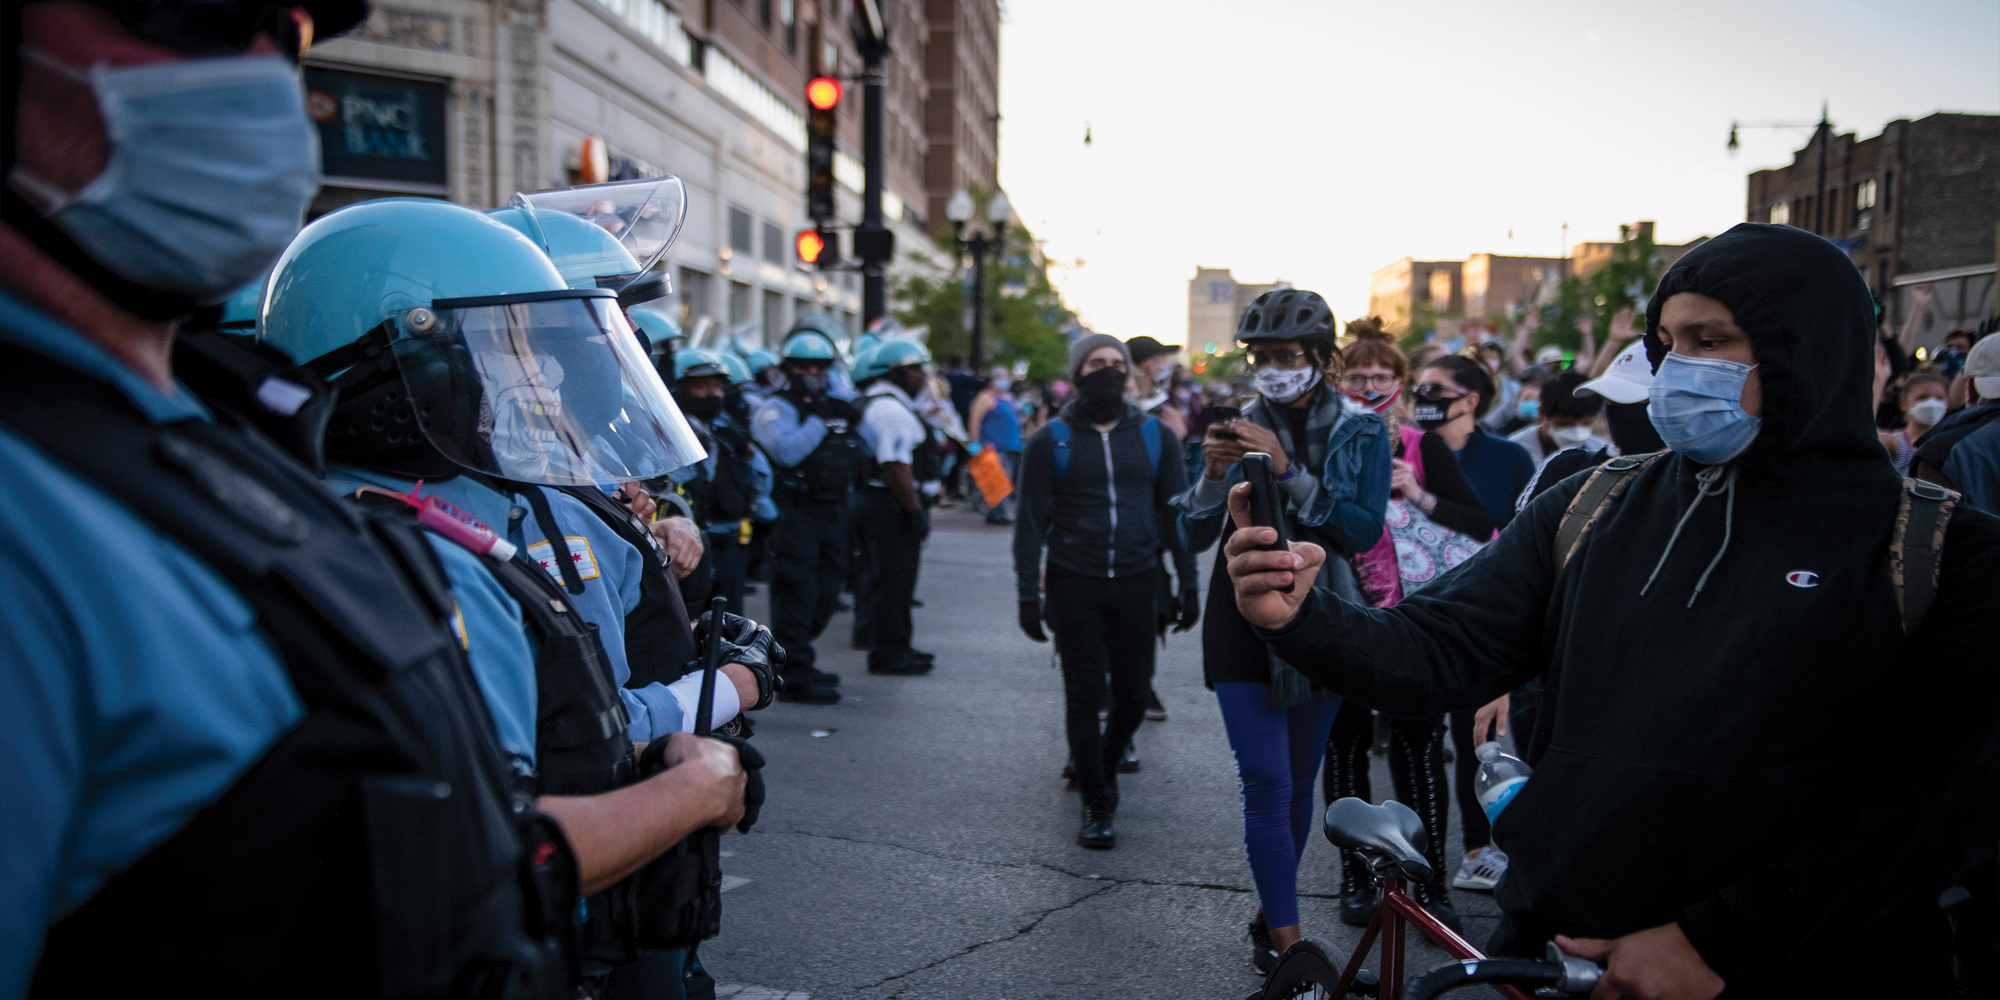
643, 216
546, 387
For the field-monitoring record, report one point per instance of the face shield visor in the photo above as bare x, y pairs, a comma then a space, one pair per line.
546, 387
643, 217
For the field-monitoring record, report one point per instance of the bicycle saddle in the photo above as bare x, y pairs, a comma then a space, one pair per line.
1389, 836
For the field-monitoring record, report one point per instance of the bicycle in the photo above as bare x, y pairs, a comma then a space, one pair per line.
1391, 839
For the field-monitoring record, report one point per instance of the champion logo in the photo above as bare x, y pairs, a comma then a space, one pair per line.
1802, 578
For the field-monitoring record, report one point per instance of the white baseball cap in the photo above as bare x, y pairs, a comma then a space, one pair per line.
1628, 378
1548, 355
1982, 366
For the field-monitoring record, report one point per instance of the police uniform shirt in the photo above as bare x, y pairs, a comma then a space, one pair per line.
890, 426
783, 436
497, 644
136, 688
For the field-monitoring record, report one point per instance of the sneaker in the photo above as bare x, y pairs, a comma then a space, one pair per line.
1155, 712
1263, 954
1481, 873
1128, 762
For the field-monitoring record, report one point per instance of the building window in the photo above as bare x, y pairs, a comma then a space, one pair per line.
774, 244
802, 307
1888, 190
694, 296
1781, 214
764, 14
1864, 203
739, 305
788, 16
774, 316
739, 232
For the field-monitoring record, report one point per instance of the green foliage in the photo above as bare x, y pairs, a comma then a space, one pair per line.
1631, 276
1024, 326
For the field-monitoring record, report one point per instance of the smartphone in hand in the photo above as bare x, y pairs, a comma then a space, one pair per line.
1265, 508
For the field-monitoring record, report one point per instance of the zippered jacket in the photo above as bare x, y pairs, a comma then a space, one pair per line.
1110, 514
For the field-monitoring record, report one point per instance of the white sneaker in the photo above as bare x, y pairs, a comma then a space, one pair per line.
1481, 873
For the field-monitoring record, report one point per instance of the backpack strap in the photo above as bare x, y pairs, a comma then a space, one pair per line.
1607, 483
1060, 432
1150, 430
1916, 548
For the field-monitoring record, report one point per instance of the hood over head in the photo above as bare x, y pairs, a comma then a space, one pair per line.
1811, 323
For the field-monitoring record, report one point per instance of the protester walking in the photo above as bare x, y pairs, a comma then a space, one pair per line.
996, 418
1095, 490
1330, 463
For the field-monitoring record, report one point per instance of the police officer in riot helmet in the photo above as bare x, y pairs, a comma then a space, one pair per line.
305, 795
811, 438
902, 461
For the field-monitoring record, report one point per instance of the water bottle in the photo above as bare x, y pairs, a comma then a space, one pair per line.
1500, 778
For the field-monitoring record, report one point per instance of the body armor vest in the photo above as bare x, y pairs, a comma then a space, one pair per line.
828, 472
378, 848
658, 641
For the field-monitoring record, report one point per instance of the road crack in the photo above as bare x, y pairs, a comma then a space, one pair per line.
1019, 932
1036, 866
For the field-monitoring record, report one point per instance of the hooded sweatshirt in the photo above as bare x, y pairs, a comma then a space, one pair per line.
1110, 514
1706, 750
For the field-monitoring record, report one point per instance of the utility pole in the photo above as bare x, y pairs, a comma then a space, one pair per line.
874, 244
1824, 133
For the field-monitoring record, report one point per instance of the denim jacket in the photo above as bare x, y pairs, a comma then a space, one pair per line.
1346, 501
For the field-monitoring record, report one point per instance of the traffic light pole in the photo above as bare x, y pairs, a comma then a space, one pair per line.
873, 243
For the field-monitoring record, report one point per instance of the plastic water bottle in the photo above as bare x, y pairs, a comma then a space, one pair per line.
1500, 778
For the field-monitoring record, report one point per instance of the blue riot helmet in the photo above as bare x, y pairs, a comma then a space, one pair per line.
239, 312
826, 326
862, 345
809, 345
656, 324
605, 235
454, 343
696, 362
760, 359
888, 356
739, 372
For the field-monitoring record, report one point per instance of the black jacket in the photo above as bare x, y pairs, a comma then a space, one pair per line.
1092, 522
1713, 758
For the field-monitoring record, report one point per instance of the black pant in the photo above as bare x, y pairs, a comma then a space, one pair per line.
726, 557
1416, 767
808, 563
1101, 626
1478, 833
894, 549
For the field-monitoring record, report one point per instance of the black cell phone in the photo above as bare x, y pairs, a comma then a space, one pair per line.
1222, 413
1265, 509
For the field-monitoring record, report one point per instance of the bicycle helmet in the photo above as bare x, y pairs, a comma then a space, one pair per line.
1287, 314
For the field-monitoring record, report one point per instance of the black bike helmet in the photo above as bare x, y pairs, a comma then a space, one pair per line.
1287, 314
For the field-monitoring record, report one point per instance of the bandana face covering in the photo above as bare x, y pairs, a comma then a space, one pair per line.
1102, 395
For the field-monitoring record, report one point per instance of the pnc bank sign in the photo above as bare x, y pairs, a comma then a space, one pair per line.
379, 128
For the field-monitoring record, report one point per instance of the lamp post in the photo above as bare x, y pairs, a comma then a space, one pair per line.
1822, 135
959, 211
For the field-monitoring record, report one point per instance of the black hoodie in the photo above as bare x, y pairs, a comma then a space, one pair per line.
1774, 767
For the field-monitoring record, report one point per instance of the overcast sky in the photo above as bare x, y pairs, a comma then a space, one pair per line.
1318, 141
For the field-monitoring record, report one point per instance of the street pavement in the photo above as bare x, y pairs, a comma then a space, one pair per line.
918, 840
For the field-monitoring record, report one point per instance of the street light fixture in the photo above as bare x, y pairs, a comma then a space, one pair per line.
1822, 135
959, 211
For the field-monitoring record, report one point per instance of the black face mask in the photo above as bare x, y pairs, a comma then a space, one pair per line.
1431, 415
703, 408
1101, 394
1632, 429
807, 384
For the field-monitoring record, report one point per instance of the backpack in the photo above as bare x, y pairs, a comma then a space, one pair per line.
1921, 517
1059, 430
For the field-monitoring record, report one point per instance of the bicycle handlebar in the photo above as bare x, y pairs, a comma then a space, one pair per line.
1565, 973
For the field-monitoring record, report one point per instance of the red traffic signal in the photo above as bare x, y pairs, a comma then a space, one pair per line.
811, 245
823, 92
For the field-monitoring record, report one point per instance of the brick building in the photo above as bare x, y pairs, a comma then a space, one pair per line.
1395, 291
1216, 301
1918, 203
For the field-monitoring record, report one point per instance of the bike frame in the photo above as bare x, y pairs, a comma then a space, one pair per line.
1395, 911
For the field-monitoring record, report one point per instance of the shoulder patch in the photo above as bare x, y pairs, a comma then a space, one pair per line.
579, 553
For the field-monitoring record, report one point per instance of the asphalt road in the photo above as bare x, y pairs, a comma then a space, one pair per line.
918, 841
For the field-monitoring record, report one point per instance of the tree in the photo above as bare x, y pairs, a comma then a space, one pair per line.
1628, 280
1025, 316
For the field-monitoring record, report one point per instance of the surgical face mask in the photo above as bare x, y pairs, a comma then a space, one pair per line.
1285, 385
1569, 437
1529, 409
1001, 384
213, 162
1928, 411
1697, 406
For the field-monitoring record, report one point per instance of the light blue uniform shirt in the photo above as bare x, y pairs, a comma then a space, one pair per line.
777, 430
610, 568
134, 687
498, 646
762, 509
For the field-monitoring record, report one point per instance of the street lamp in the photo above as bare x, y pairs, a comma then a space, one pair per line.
959, 211
1822, 135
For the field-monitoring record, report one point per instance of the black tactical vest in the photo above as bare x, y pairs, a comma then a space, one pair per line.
658, 641
828, 472
378, 848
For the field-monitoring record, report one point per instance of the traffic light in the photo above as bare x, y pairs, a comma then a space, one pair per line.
822, 98
818, 247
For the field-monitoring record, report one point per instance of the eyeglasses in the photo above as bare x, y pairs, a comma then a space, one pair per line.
1379, 382
1276, 359
1437, 392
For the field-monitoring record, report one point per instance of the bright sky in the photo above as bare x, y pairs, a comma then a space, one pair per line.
1318, 141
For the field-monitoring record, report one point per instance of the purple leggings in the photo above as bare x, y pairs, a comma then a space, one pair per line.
1277, 756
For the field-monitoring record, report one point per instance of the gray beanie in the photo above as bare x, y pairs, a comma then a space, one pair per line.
1085, 345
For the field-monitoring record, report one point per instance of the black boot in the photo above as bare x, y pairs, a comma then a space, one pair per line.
1416, 762
1359, 895
1097, 833
1346, 776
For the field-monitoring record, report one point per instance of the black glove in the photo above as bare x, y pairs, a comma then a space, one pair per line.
652, 761
750, 645
918, 523
841, 409
1187, 610
1031, 621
